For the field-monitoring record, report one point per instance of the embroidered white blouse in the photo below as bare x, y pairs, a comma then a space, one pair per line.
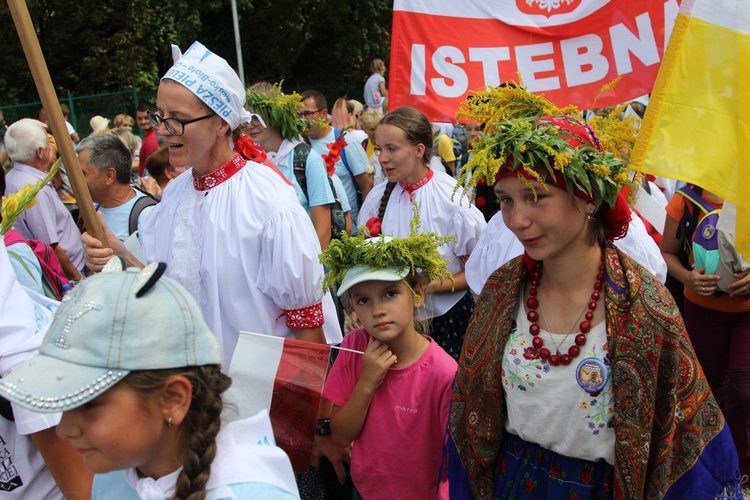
246, 249
440, 212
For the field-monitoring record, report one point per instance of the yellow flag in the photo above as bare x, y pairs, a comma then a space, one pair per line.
697, 126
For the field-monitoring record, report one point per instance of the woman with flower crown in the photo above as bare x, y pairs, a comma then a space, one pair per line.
577, 378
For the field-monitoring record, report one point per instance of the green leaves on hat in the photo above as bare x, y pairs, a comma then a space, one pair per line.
417, 252
278, 110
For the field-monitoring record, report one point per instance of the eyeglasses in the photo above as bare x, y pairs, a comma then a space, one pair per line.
256, 121
174, 126
308, 114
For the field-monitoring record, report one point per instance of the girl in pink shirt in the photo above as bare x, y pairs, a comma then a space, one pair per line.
392, 402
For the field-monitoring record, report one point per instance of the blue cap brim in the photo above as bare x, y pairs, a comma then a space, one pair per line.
48, 385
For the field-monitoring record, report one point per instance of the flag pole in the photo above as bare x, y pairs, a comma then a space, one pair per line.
38, 66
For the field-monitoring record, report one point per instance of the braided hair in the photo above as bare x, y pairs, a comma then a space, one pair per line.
384, 200
200, 426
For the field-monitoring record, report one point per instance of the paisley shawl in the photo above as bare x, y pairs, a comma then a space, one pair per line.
665, 416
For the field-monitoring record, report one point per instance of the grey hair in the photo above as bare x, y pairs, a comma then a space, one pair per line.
107, 150
24, 137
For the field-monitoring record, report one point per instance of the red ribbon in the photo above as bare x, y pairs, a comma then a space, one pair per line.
373, 226
245, 146
334, 153
250, 151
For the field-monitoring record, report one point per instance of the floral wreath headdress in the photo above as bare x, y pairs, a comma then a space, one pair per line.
528, 135
279, 110
417, 252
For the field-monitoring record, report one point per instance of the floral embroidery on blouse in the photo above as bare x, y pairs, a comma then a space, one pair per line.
220, 175
526, 366
599, 409
305, 317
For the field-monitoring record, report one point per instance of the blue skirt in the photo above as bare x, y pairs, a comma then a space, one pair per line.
526, 470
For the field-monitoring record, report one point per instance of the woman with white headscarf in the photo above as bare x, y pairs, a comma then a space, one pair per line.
231, 230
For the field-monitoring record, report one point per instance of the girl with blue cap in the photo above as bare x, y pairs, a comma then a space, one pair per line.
137, 374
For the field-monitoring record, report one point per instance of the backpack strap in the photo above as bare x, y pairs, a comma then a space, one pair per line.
338, 222
694, 211
693, 194
299, 165
336, 134
138, 207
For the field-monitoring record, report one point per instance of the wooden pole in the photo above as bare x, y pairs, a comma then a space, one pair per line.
38, 66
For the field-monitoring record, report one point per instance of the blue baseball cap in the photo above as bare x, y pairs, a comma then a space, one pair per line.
110, 324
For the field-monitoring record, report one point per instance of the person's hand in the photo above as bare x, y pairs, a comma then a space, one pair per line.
150, 185
741, 286
96, 254
376, 362
323, 446
701, 283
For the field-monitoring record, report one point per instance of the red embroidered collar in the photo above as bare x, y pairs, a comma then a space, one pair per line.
220, 175
410, 188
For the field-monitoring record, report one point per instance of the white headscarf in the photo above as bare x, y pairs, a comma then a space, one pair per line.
213, 80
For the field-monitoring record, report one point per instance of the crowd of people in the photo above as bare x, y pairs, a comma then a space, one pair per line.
501, 306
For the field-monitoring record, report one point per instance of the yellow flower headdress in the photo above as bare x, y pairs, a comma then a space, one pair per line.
527, 134
278, 110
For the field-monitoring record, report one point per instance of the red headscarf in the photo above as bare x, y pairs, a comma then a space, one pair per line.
615, 218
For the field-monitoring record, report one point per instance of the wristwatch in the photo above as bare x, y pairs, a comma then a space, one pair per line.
323, 428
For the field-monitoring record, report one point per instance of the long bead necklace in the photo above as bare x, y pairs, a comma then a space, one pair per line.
580, 340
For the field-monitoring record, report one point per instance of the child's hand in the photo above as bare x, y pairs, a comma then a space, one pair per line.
376, 362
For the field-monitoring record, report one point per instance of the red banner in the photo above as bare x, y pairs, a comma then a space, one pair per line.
441, 50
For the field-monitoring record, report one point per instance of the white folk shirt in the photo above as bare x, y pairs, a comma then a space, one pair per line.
23, 473
440, 212
547, 405
246, 249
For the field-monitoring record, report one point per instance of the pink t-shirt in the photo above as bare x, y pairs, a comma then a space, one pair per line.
398, 454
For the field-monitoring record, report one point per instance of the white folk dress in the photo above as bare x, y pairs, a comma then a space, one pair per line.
243, 246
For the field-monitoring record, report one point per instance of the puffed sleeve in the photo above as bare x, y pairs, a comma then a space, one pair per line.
496, 247
290, 272
641, 247
467, 225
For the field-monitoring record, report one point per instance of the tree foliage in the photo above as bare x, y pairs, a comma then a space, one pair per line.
105, 46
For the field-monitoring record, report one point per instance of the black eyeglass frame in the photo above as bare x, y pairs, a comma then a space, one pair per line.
308, 113
155, 119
